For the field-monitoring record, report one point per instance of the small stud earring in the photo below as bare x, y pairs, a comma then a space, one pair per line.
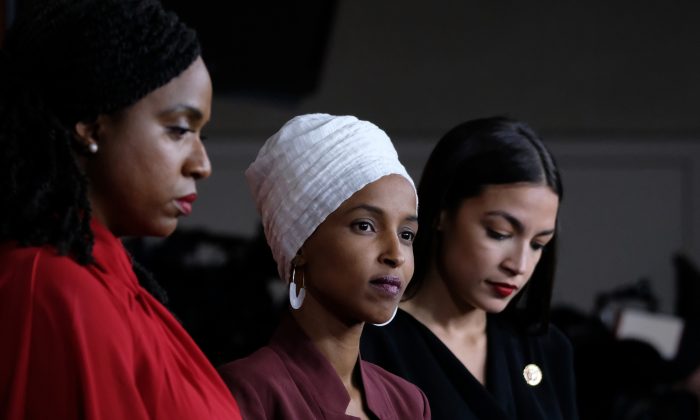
92, 147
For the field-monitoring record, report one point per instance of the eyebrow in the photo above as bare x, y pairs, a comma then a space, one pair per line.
379, 212
191, 111
517, 224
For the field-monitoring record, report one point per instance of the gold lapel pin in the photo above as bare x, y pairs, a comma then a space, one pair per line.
532, 374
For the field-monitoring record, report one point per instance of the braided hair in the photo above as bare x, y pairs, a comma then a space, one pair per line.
64, 62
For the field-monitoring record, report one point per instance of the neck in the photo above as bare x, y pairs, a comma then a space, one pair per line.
337, 341
440, 310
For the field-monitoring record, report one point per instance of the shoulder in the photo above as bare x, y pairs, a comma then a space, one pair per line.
388, 381
403, 395
42, 275
552, 339
47, 301
262, 362
258, 383
61, 292
261, 372
43, 266
552, 342
29, 260
556, 340
550, 349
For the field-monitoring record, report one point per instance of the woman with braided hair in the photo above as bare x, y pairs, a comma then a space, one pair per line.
102, 105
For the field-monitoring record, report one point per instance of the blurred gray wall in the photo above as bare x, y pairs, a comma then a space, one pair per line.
613, 87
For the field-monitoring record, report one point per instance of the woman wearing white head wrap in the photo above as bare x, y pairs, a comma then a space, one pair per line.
339, 212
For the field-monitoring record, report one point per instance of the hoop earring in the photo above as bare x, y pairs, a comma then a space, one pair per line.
390, 319
294, 300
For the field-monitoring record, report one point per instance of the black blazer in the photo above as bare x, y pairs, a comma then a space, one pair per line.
409, 349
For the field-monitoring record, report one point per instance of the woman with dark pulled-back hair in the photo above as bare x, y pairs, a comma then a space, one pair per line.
473, 330
102, 105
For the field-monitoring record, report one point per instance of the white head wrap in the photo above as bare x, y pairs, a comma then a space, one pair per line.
306, 170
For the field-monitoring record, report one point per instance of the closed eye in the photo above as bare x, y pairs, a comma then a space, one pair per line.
493, 234
537, 246
541, 243
177, 132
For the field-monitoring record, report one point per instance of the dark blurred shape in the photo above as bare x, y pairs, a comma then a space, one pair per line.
635, 295
3, 20
261, 48
687, 288
220, 287
622, 379
628, 379
266, 49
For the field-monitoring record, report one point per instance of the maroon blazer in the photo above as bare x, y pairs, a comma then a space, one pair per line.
290, 379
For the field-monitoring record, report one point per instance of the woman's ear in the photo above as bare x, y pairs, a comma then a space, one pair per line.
299, 260
86, 136
441, 221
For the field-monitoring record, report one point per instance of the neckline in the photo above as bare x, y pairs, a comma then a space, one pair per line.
461, 378
110, 256
315, 375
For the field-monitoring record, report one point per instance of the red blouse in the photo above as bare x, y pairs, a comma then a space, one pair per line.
87, 342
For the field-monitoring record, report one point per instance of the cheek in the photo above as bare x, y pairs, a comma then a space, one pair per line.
327, 258
409, 266
467, 258
161, 159
533, 265
462, 248
457, 262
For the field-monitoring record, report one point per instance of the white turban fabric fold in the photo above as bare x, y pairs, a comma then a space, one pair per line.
306, 170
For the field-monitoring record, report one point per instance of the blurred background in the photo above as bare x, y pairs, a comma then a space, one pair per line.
612, 87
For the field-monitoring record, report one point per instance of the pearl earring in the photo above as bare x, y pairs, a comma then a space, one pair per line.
92, 147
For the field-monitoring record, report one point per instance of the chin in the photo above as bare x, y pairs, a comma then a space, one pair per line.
167, 231
380, 318
494, 307
161, 230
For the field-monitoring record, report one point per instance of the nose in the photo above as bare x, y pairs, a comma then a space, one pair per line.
198, 165
516, 262
392, 253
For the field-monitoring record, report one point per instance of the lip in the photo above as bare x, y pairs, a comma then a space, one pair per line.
184, 203
389, 286
502, 289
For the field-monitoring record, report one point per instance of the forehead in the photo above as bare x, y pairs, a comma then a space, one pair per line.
191, 88
533, 203
391, 192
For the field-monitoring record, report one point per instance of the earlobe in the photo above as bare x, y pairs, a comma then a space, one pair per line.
86, 136
299, 260
440, 224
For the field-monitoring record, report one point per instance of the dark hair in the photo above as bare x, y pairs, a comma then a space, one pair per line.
64, 62
470, 157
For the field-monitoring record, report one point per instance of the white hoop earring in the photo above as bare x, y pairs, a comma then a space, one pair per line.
390, 319
294, 300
